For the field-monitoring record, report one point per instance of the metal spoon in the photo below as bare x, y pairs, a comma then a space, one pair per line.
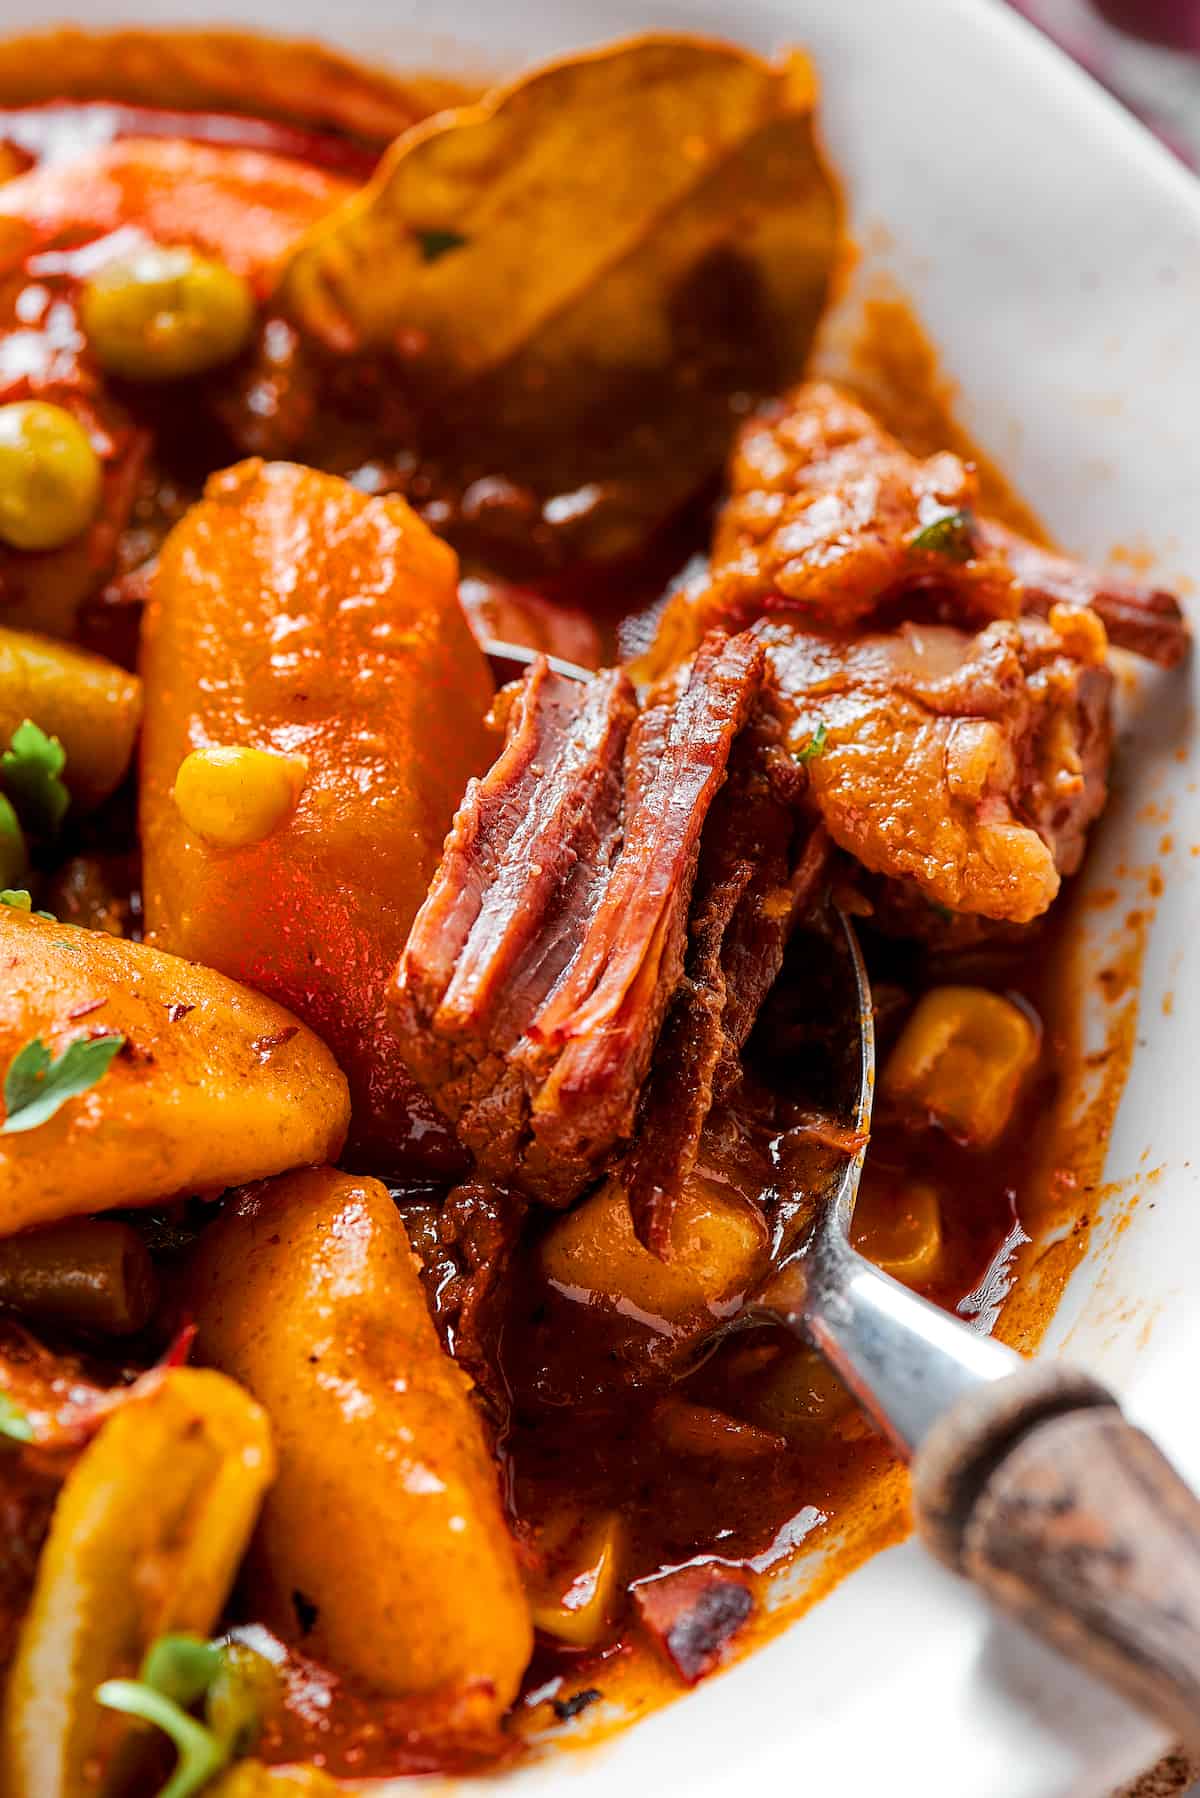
1026, 1476
905, 1360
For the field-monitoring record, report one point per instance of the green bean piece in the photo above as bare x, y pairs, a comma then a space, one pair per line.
89, 1274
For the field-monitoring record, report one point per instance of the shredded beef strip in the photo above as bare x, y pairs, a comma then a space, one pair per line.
511, 896
679, 1092
760, 863
465, 1247
605, 1017
533, 987
1145, 620
828, 517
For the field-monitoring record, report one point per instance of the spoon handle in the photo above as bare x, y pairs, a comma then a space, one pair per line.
905, 1361
1038, 1489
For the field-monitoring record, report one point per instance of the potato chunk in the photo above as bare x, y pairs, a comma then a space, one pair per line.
718, 1245
215, 1085
296, 618
961, 1060
92, 707
385, 1516
898, 1226
146, 1539
577, 1588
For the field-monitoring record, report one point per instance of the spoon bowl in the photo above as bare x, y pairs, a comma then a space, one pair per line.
904, 1359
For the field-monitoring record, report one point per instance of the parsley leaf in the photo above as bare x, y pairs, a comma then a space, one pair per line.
36, 1085
179, 1671
182, 1668
815, 745
31, 768
19, 900
200, 1757
952, 535
435, 244
13, 1422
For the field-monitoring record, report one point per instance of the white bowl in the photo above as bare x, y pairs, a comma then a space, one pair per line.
1054, 252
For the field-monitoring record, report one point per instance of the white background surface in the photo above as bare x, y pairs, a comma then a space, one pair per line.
1054, 252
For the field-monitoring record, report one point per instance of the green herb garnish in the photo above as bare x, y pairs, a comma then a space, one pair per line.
814, 747
435, 244
38, 1084
200, 1756
952, 535
13, 1422
31, 768
179, 1671
182, 1668
14, 857
17, 899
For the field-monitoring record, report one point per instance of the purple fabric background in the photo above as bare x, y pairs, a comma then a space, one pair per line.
1147, 52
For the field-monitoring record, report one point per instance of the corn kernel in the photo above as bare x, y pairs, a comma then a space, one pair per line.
719, 1245
576, 1596
961, 1060
898, 1226
795, 1395
232, 797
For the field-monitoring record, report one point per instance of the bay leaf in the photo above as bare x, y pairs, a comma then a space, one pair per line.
581, 283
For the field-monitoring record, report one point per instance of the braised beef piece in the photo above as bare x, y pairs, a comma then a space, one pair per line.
965, 769
465, 1247
534, 986
692, 1615
761, 861
1143, 619
522, 873
831, 518
612, 910
589, 1049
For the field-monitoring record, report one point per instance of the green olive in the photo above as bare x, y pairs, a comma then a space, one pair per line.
49, 476
161, 313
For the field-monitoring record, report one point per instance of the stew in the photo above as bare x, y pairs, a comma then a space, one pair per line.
408, 1075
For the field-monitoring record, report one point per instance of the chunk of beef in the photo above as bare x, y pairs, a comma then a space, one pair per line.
498, 611
1137, 617
534, 984
597, 1033
760, 863
520, 878
465, 1247
966, 767
692, 1615
824, 506
830, 517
